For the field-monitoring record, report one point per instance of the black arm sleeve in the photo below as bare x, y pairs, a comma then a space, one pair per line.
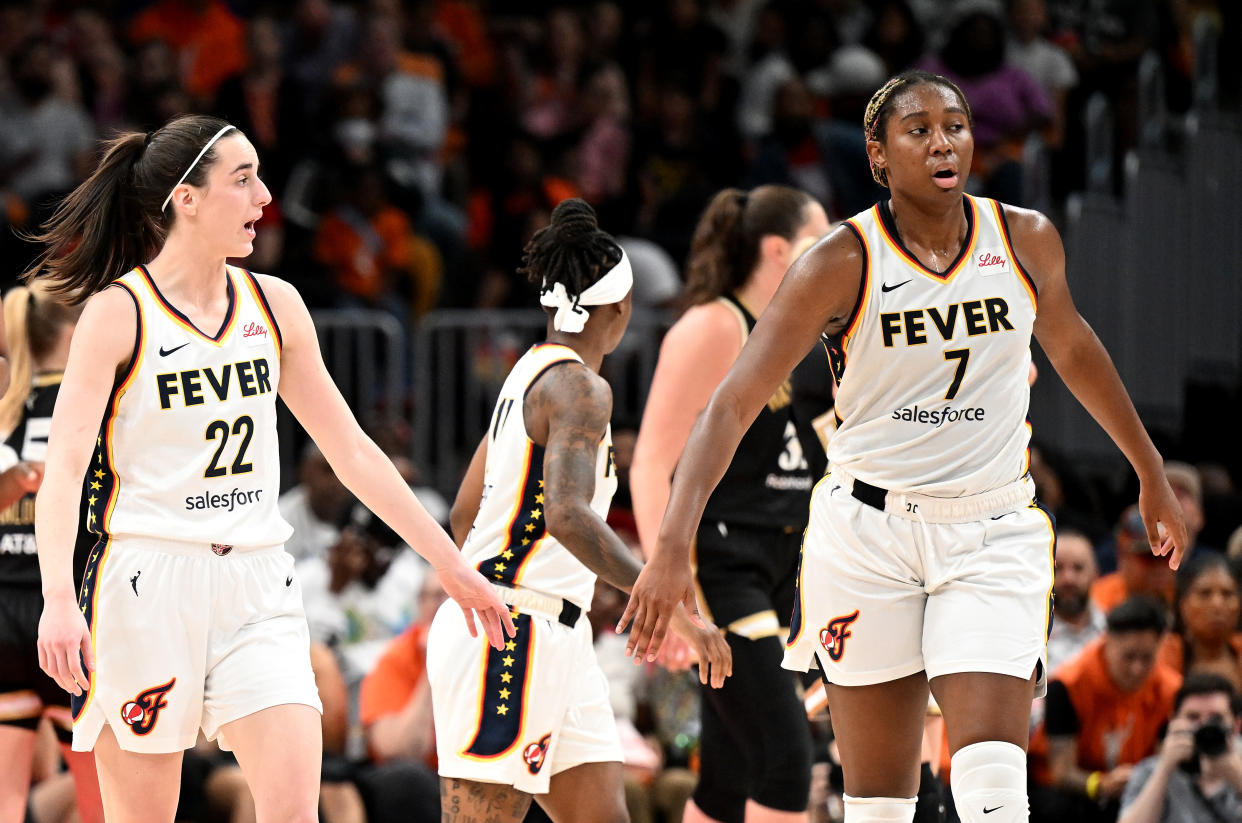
1060, 718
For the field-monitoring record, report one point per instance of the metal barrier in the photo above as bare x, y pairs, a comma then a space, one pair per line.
364, 352
462, 357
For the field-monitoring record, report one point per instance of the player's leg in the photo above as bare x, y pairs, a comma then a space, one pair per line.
16, 753
984, 645
280, 751
879, 732
462, 801
136, 787
589, 793
85, 774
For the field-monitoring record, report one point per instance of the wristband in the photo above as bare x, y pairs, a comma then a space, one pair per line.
1093, 785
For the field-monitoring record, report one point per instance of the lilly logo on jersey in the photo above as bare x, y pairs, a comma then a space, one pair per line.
141, 713
992, 263
832, 637
535, 753
254, 330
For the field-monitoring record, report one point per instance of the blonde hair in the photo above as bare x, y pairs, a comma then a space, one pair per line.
33, 319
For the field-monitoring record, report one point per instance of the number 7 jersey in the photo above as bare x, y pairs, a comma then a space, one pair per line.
933, 366
187, 449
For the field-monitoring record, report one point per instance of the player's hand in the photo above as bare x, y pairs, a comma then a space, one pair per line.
477, 597
64, 643
713, 652
676, 655
27, 476
657, 592
1162, 515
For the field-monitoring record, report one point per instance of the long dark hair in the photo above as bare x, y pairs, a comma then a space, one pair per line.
114, 220
572, 250
725, 247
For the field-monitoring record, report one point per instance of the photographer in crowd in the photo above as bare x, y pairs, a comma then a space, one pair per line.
1197, 776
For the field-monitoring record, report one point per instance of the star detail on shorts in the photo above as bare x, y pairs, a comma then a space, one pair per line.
505, 677
91, 500
507, 660
534, 514
504, 694
506, 554
530, 527
510, 646
502, 709
96, 485
500, 567
525, 541
539, 499
541, 484
99, 474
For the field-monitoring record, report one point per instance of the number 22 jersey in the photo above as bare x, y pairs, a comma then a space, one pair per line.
187, 450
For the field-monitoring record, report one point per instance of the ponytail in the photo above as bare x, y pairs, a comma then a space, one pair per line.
114, 220
33, 319
725, 247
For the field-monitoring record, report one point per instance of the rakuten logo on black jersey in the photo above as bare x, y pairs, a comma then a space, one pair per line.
938, 417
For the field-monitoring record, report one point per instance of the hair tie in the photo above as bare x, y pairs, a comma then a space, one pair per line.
743, 198
146, 141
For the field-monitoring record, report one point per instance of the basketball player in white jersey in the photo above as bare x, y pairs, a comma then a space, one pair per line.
925, 557
188, 617
534, 719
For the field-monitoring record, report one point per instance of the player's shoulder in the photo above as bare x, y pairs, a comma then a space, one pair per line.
710, 326
1027, 223
1036, 241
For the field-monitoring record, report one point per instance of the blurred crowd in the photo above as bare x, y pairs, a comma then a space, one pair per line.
413, 146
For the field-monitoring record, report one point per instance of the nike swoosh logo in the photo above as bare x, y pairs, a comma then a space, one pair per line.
887, 288
288, 581
165, 352
999, 516
986, 810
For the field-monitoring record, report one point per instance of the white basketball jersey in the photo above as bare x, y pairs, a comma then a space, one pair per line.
933, 395
187, 450
509, 542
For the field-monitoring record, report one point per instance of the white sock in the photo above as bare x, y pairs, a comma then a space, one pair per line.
879, 809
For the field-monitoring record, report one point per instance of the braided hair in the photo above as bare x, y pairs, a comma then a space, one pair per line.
875, 119
571, 250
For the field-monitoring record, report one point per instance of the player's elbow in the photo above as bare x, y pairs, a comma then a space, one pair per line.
564, 519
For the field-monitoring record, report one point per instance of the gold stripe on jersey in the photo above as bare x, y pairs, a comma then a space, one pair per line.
796, 619
184, 322
964, 257
103, 478
1026, 455
1052, 565
1025, 279
260, 298
504, 689
88, 599
526, 527
864, 291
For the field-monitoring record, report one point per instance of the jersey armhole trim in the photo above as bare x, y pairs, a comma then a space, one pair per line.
265, 307
1007, 238
864, 286
131, 367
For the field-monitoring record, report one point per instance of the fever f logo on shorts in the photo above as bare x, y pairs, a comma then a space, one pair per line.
141, 713
832, 637
535, 753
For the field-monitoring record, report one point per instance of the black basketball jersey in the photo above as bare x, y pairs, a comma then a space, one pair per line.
769, 481
19, 564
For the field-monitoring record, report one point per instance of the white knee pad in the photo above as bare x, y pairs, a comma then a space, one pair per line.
989, 783
879, 809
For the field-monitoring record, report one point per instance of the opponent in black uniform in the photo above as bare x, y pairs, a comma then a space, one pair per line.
38, 330
755, 742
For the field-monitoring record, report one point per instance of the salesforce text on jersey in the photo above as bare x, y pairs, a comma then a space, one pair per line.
226, 501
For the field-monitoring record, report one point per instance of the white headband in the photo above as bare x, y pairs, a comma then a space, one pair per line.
210, 143
611, 288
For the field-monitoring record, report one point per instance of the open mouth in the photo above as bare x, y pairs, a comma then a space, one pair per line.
945, 178
249, 227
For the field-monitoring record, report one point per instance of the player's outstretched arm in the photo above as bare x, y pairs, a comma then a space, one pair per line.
98, 354
574, 404
1083, 363
308, 390
818, 294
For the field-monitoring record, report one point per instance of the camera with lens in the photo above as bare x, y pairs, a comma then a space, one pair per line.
1211, 739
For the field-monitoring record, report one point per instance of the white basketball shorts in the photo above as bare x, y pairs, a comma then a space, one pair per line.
188, 636
520, 715
924, 584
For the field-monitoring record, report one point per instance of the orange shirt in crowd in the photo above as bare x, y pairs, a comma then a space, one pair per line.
210, 43
363, 269
388, 686
1114, 727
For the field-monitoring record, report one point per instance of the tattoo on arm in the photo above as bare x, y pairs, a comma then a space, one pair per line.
576, 405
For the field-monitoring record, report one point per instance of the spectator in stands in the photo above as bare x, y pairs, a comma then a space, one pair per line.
895, 35
604, 150
314, 506
792, 154
1104, 712
1197, 777
1076, 619
1047, 63
1205, 614
209, 40
395, 713
1008, 105
847, 83
1138, 570
373, 251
